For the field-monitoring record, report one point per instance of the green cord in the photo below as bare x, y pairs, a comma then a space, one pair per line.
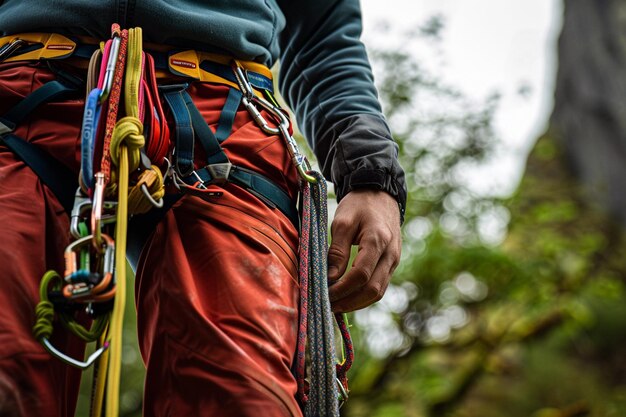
45, 314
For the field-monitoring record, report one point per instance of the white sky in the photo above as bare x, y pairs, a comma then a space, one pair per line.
487, 46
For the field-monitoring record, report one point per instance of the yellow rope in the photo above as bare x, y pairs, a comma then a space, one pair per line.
117, 318
100, 375
125, 145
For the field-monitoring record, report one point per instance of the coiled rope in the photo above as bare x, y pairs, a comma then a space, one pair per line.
322, 399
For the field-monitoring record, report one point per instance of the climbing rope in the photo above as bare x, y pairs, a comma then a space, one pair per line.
322, 398
126, 141
328, 383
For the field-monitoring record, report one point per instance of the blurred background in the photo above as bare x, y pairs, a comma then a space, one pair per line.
510, 299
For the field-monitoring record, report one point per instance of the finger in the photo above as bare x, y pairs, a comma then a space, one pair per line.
361, 272
342, 235
371, 292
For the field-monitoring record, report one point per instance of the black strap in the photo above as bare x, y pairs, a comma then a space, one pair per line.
183, 132
56, 176
218, 168
227, 116
214, 152
44, 94
263, 188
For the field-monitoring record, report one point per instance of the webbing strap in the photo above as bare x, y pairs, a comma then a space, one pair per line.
224, 71
262, 187
91, 118
227, 117
214, 152
183, 130
218, 168
56, 176
46, 93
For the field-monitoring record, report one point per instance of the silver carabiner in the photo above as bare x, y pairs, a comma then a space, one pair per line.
81, 204
71, 361
109, 73
9, 48
96, 209
343, 393
146, 193
250, 100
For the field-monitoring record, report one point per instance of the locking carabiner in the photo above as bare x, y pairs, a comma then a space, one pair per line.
250, 102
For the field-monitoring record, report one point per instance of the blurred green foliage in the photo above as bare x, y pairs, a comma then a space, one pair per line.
524, 318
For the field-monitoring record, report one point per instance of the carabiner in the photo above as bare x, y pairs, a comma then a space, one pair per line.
96, 209
81, 204
71, 258
110, 69
146, 193
9, 48
343, 393
82, 289
250, 100
71, 361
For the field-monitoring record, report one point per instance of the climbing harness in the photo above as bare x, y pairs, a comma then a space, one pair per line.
125, 165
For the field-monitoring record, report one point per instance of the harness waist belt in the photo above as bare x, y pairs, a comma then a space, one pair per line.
198, 65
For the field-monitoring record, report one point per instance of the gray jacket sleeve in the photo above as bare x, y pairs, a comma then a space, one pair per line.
326, 78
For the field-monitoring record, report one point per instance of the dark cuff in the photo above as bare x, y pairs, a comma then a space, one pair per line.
374, 179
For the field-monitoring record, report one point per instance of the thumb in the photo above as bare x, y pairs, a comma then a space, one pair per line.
342, 236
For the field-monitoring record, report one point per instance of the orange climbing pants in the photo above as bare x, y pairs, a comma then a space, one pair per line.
216, 284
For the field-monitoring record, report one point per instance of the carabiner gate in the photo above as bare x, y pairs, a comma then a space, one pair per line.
249, 100
71, 361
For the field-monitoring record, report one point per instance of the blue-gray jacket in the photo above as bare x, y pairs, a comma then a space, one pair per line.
325, 75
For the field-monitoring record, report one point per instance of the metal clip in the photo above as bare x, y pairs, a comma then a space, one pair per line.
251, 101
83, 289
71, 361
96, 209
8, 49
81, 205
110, 69
146, 193
343, 393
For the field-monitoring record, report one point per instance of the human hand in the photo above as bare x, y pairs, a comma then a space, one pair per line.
371, 220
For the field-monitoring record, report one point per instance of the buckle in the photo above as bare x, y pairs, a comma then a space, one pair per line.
4, 128
219, 172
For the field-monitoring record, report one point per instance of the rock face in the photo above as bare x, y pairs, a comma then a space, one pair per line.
589, 116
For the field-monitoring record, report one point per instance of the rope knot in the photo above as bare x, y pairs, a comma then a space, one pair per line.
128, 131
